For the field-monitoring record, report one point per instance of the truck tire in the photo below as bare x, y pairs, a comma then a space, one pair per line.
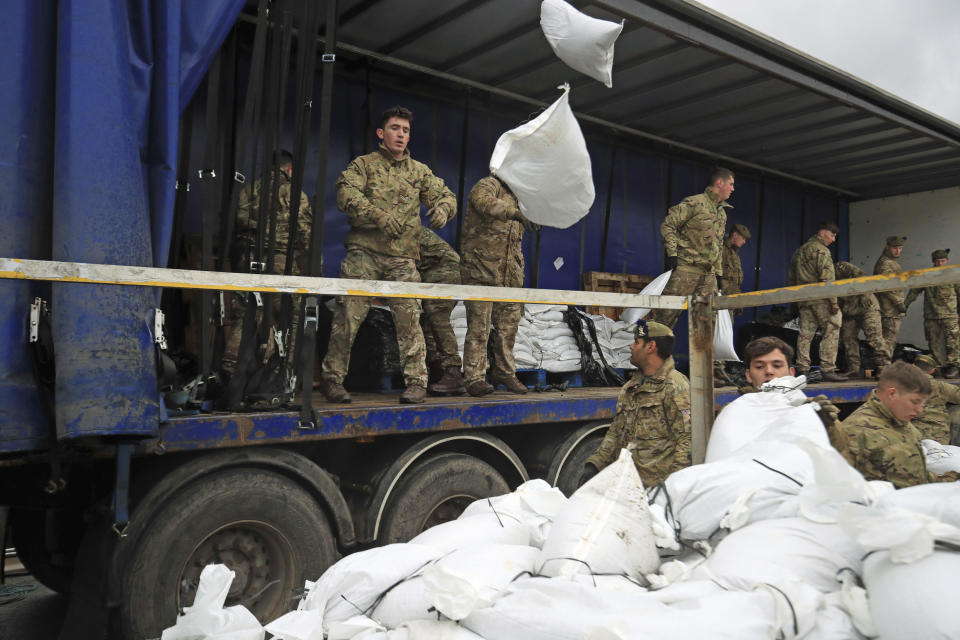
265, 527
31, 536
437, 490
568, 462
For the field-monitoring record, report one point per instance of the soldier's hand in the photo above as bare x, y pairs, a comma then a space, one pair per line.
438, 216
670, 263
829, 413
588, 472
528, 224
390, 225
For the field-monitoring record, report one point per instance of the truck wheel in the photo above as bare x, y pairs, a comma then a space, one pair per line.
36, 534
567, 465
438, 490
263, 526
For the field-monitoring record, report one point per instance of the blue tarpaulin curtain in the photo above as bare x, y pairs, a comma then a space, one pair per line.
91, 94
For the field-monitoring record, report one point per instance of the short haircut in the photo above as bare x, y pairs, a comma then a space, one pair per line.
767, 344
396, 112
284, 157
905, 377
829, 226
664, 345
720, 173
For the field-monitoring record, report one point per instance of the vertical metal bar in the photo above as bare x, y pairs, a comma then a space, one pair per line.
326, 105
461, 180
623, 182
701, 374
759, 243
606, 215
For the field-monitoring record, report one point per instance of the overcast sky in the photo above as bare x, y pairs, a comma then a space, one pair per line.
910, 48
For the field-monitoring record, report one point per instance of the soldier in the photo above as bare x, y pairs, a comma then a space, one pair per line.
812, 262
940, 324
879, 440
492, 255
381, 193
245, 241
860, 312
732, 278
892, 308
440, 263
936, 423
653, 411
692, 239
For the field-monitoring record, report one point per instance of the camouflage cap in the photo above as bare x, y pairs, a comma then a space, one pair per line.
925, 362
940, 254
644, 329
742, 230
896, 241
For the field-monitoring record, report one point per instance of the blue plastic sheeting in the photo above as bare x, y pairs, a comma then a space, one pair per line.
92, 96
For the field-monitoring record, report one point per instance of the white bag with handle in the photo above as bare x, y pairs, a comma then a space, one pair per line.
723, 338
585, 44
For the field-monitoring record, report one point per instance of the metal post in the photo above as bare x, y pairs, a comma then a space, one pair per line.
701, 374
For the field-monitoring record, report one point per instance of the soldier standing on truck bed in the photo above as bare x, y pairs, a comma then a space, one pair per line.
812, 262
940, 323
937, 422
860, 312
653, 411
892, 307
491, 254
381, 193
248, 213
440, 263
732, 278
693, 241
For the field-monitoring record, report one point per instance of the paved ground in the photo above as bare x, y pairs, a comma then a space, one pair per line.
37, 617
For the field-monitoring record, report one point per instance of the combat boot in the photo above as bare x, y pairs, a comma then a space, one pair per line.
414, 394
852, 374
479, 388
450, 384
832, 376
335, 392
511, 383
950, 371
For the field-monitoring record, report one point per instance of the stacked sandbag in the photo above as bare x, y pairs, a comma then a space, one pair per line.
941, 458
207, 618
614, 338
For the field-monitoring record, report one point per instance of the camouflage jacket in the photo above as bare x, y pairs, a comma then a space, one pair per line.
438, 261
934, 422
938, 302
693, 232
732, 271
653, 412
891, 302
397, 187
248, 213
492, 242
881, 447
858, 305
812, 262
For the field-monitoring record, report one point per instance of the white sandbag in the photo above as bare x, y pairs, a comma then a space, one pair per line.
501, 528
605, 527
781, 551
550, 314
941, 457
546, 164
354, 583
409, 600
533, 309
585, 44
558, 331
560, 366
306, 624
940, 501
655, 288
723, 338
473, 578
354, 628
207, 619
907, 535
535, 503
770, 414
417, 630
459, 311
915, 600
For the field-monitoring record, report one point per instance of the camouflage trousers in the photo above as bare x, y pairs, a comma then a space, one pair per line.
438, 334
891, 331
815, 316
503, 317
873, 330
233, 322
684, 283
351, 311
943, 339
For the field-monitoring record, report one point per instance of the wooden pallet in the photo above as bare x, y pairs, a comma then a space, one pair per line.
614, 283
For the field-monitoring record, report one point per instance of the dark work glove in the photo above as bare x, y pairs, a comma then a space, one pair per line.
719, 284
670, 263
588, 472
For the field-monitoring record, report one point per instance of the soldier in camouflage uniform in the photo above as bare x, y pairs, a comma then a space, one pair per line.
732, 278
813, 263
381, 193
940, 323
936, 422
860, 312
692, 239
440, 263
245, 240
653, 411
892, 307
880, 440
492, 255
